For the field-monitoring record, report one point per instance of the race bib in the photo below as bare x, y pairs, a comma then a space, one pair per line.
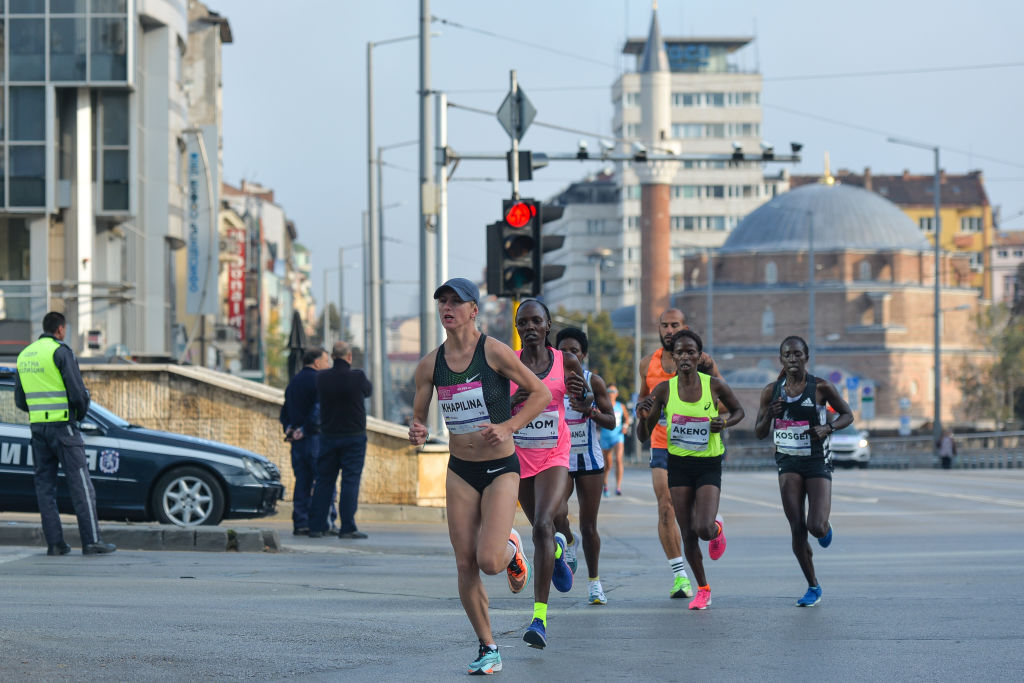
690, 433
541, 431
578, 435
791, 437
463, 407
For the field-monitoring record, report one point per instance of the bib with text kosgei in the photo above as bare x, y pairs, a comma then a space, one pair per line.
463, 407
578, 434
541, 431
791, 437
690, 433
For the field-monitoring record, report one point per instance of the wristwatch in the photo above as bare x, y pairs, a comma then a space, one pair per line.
594, 412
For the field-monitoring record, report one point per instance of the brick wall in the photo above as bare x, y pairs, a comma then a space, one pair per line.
211, 405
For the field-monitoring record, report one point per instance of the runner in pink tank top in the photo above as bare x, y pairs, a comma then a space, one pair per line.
543, 450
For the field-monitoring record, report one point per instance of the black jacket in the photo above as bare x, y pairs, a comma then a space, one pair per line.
300, 407
78, 395
342, 391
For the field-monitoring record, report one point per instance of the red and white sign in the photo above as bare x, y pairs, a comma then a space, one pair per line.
236, 282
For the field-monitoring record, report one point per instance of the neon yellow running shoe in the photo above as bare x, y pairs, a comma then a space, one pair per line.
681, 588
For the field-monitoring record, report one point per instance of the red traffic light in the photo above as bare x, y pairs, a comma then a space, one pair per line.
520, 214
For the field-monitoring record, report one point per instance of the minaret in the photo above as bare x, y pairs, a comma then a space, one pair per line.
655, 183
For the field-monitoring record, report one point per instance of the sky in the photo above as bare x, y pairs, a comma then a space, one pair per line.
838, 77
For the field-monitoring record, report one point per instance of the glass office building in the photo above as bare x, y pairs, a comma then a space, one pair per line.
93, 108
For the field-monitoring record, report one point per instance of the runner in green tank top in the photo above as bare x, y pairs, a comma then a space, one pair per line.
689, 402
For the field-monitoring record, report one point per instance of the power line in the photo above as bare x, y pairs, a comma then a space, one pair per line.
897, 72
538, 46
878, 131
565, 129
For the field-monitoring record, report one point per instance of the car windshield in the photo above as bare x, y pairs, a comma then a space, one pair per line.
848, 430
107, 416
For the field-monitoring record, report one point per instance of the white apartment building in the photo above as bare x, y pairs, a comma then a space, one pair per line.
713, 105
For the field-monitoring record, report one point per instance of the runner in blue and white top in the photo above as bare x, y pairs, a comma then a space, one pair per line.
585, 415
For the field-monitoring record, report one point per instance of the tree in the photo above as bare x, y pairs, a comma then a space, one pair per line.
995, 390
609, 354
277, 352
335, 317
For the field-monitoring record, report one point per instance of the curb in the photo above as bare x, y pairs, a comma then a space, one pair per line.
154, 537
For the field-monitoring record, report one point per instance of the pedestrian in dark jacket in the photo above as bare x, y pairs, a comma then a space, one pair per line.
300, 419
51, 391
342, 392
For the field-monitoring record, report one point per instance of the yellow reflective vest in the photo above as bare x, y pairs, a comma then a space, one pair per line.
40, 378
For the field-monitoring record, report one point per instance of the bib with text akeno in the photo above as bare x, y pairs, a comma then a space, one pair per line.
578, 435
791, 437
463, 407
541, 431
690, 433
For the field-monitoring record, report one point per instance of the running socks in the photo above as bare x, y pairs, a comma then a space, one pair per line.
540, 611
678, 567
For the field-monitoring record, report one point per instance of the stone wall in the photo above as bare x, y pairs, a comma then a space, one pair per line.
212, 405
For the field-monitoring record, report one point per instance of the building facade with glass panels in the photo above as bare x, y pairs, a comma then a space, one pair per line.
91, 154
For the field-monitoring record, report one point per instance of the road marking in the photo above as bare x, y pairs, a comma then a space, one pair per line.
938, 494
853, 499
12, 558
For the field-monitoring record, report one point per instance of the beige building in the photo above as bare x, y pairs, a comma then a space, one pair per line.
873, 302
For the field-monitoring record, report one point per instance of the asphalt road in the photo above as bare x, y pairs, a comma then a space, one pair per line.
922, 582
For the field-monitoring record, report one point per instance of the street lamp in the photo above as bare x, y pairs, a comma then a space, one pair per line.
372, 256
937, 234
600, 258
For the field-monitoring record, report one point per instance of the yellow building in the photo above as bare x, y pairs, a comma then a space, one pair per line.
965, 212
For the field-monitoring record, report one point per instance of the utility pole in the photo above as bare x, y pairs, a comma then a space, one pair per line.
428, 201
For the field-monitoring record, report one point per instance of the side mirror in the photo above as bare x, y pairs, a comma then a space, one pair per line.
90, 427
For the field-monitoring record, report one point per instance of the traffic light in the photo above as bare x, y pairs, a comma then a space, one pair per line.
513, 254
515, 248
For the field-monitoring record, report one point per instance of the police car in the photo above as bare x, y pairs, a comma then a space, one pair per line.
141, 474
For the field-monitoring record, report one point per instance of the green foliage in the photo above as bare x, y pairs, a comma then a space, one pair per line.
610, 354
995, 390
277, 353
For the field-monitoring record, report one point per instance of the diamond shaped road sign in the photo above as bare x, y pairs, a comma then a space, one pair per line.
516, 114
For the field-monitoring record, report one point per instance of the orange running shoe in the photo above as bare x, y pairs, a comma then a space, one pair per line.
519, 569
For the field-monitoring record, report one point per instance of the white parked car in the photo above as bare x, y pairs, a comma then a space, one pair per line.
850, 447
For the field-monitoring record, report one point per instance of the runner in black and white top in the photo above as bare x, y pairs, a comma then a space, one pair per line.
585, 416
483, 470
794, 410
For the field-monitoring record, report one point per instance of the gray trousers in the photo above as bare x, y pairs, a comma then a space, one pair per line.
61, 443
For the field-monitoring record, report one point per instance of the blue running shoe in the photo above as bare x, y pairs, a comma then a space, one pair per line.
826, 540
488, 662
535, 635
561, 577
811, 598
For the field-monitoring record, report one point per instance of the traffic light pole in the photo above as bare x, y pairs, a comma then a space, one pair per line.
514, 90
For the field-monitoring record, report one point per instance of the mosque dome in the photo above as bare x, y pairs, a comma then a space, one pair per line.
843, 217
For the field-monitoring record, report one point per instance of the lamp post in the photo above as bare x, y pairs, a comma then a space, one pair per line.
937, 235
600, 258
372, 256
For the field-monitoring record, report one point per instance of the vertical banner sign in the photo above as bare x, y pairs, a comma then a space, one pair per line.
237, 239
200, 255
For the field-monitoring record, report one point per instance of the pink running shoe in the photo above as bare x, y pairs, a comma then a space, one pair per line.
716, 546
703, 598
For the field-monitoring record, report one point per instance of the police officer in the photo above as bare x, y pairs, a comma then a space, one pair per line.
51, 391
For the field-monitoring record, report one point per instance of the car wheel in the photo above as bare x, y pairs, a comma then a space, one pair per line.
188, 496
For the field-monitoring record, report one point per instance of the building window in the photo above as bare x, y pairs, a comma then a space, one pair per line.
109, 46
633, 192
771, 273
970, 224
977, 262
114, 140
926, 223
632, 130
28, 49
864, 270
28, 175
632, 99
633, 222
687, 130
595, 226
714, 191
1017, 253
1003, 253
67, 6
28, 114
684, 191
768, 322
67, 49
714, 99
685, 99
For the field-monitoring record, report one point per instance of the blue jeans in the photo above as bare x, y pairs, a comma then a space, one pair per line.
304, 456
347, 455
